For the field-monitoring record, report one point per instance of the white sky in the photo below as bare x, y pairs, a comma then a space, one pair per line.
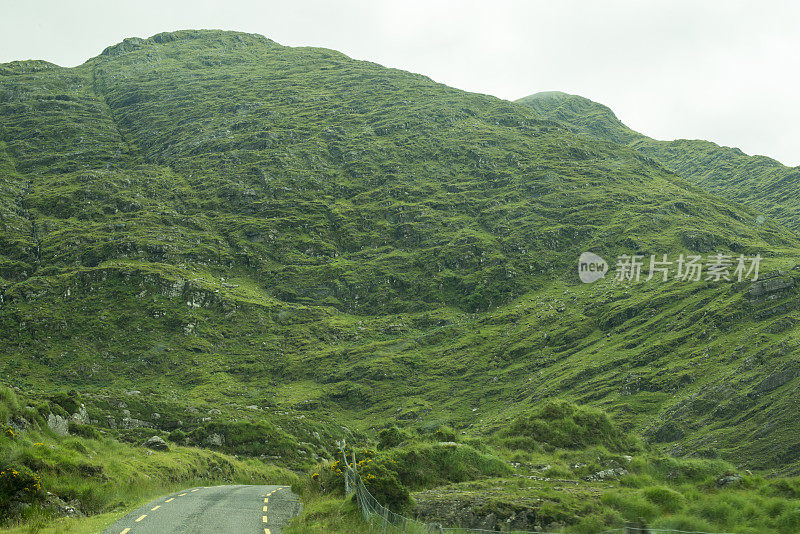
723, 70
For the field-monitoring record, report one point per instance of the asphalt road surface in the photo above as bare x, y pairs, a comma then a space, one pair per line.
214, 510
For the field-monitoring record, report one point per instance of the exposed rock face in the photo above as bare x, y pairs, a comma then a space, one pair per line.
81, 416
482, 512
58, 424
608, 473
157, 444
776, 380
776, 283
668, 432
729, 480
216, 440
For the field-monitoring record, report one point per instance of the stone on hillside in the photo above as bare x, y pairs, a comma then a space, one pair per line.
58, 424
669, 431
157, 444
728, 480
81, 416
216, 440
608, 473
776, 380
770, 285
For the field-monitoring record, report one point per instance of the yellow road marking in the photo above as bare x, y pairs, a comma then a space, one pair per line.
170, 500
140, 518
265, 508
264, 519
266, 499
196, 489
155, 508
128, 530
181, 495
266, 531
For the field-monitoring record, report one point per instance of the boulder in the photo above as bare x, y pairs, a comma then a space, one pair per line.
157, 444
729, 480
58, 424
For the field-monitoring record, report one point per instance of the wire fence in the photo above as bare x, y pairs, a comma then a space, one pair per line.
381, 519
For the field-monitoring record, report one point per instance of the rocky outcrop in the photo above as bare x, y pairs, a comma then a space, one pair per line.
58, 424
157, 444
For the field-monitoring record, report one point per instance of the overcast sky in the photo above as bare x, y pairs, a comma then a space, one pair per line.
723, 70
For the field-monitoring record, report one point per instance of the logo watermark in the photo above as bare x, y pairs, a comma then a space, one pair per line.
685, 267
591, 267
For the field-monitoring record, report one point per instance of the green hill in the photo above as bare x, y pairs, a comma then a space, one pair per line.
756, 181
291, 241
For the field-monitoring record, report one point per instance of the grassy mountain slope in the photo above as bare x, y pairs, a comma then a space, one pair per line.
294, 241
756, 181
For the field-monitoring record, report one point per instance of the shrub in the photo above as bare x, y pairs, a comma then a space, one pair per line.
631, 505
789, 522
428, 464
391, 437
17, 484
86, 431
67, 401
385, 486
445, 433
562, 424
683, 522
9, 404
665, 498
177, 436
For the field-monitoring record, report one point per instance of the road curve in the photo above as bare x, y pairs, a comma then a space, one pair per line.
213, 510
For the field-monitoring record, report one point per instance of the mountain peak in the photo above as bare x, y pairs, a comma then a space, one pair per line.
218, 36
581, 115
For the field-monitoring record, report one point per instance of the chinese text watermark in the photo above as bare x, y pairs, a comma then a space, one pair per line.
685, 267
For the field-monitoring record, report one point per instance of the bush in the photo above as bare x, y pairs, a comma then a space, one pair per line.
445, 433
85, 431
429, 464
68, 401
562, 424
9, 404
683, 522
631, 505
665, 498
177, 436
789, 522
391, 437
385, 486
17, 484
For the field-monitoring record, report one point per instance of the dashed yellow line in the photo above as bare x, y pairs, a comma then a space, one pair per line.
153, 509
170, 500
266, 531
196, 489
265, 508
266, 499
181, 495
128, 530
140, 518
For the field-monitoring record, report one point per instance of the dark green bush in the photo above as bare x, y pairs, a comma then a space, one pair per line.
85, 431
177, 436
665, 498
391, 437
562, 424
445, 433
18, 484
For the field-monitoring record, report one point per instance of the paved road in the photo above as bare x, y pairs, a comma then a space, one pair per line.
214, 510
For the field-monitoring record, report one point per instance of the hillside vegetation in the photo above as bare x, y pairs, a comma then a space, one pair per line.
756, 181
261, 250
